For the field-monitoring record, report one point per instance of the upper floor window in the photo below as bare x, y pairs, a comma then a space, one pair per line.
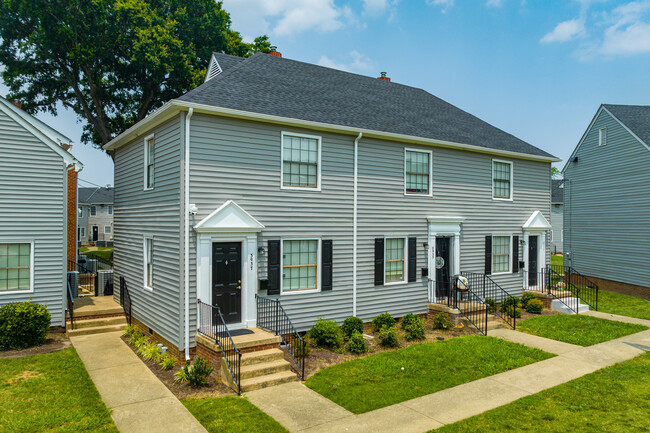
93, 210
395, 253
501, 180
15, 266
501, 254
299, 265
110, 210
602, 137
300, 161
149, 162
148, 263
417, 172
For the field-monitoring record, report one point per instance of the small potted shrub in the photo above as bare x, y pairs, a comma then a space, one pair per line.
384, 320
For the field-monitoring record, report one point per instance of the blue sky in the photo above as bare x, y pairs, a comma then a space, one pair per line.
537, 69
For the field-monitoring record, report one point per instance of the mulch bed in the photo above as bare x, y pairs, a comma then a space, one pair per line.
56, 340
526, 315
214, 388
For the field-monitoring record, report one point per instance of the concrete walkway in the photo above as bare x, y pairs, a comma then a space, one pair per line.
300, 409
138, 400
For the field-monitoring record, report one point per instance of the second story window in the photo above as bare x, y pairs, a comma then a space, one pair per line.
149, 162
417, 172
110, 210
501, 180
93, 210
80, 212
300, 161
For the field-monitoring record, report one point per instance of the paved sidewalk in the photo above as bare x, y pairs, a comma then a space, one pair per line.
138, 400
300, 409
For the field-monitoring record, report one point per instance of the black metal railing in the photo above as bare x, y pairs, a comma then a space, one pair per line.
272, 317
582, 287
213, 326
486, 288
70, 307
463, 298
87, 278
564, 284
125, 300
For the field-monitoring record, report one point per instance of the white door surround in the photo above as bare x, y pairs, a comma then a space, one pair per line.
536, 225
229, 223
443, 226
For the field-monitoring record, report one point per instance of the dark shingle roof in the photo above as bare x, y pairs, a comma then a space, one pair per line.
557, 193
635, 117
95, 195
282, 87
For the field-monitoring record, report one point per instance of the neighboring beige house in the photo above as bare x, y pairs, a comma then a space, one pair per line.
95, 214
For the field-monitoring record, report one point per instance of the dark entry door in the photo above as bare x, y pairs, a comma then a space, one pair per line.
441, 264
226, 279
95, 233
532, 260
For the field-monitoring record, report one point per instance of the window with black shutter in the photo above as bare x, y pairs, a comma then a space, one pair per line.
488, 255
274, 268
326, 265
413, 260
379, 261
515, 254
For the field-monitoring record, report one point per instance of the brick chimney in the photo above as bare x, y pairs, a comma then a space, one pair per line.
274, 51
383, 77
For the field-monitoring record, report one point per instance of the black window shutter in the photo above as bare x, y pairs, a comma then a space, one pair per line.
274, 268
515, 254
413, 259
379, 261
488, 255
326, 265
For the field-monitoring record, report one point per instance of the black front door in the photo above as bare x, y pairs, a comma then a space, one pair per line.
95, 233
441, 264
532, 260
226, 279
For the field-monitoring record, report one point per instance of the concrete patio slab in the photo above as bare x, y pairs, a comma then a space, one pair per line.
545, 344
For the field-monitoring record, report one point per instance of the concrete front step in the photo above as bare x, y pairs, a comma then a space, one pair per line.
268, 380
261, 356
561, 306
94, 323
264, 369
96, 329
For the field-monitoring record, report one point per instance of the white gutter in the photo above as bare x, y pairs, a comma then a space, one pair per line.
186, 208
354, 225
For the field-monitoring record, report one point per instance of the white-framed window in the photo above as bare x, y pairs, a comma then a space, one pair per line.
394, 260
110, 209
82, 232
16, 267
149, 162
602, 137
501, 251
80, 212
93, 210
108, 230
301, 162
417, 172
502, 174
148, 263
300, 270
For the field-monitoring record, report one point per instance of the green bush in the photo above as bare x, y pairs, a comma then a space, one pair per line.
23, 324
415, 330
388, 337
409, 319
441, 321
491, 303
535, 306
513, 311
526, 298
130, 330
326, 333
196, 374
167, 362
357, 344
150, 352
384, 320
510, 301
350, 326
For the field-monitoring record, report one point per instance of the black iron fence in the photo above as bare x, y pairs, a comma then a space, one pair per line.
70, 307
87, 278
564, 284
486, 288
470, 305
125, 300
213, 326
272, 317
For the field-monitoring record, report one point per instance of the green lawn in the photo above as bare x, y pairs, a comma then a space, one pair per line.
50, 392
631, 306
388, 378
557, 260
614, 400
231, 415
577, 329
103, 254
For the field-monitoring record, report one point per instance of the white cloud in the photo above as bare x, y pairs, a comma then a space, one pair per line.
565, 31
629, 30
358, 63
445, 5
494, 3
375, 7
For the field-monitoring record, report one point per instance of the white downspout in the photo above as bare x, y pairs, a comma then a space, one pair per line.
354, 225
187, 232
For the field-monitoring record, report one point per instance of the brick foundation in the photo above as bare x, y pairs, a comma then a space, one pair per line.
157, 338
623, 288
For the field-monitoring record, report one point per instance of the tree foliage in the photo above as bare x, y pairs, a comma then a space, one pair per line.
111, 61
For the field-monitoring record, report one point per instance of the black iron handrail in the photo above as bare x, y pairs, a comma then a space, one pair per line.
486, 288
70, 306
125, 300
213, 326
582, 287
272, 317
472, 307
557, 281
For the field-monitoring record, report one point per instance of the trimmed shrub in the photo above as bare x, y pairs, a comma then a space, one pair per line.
491, 303
535, 306
384, 320
409, 319
510, 301
526, 298
357, 344
350, 326
388, 337
326, 333
415, 330
23, 324
167, 363
196, 374
513, 311
441, 321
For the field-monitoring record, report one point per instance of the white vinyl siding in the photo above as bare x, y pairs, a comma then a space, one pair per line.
501, 250
300, 161
15, 267
149, 162
394, 256
502, 180
417, 172
300, 265
148, 263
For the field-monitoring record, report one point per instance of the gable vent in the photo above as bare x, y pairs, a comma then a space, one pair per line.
214, 69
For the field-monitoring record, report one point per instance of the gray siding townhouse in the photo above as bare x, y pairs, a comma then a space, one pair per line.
95, 214
338, 194
557, 215
607, 199
34, 165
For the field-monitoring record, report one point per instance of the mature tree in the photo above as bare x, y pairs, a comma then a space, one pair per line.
555, 173
111, 61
